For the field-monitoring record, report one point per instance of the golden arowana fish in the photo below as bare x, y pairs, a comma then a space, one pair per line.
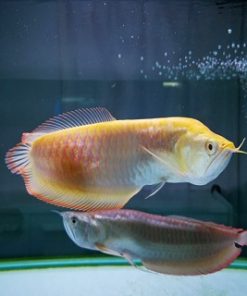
88, 160
169, 245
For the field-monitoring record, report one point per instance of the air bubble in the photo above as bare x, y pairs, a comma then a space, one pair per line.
224, 62
157, 64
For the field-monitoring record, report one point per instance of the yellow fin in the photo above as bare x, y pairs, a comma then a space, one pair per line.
88, 199
66, 120
73, 119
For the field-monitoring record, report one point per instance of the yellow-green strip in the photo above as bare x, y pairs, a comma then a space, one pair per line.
20, 264
61, 263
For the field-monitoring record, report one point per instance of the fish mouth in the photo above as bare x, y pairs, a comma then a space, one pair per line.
224, 156
69, 232
219, 163
78, 233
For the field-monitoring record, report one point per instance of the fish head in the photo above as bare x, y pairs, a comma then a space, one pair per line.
202, 154
82, 228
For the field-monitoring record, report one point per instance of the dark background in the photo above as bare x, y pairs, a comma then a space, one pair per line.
57, 56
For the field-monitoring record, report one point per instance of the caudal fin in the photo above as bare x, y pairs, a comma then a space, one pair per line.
17, 159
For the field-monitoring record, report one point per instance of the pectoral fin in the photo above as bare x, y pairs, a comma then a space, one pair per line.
171, 166
155, 188
102, 248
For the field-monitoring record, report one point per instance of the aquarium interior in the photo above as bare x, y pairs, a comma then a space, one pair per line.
139, 59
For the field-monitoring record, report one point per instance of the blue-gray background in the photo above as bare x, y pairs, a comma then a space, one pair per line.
57, 56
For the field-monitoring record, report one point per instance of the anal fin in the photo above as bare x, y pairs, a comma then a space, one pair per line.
82, 199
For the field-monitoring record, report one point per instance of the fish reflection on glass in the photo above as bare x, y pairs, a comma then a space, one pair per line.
168, 245
88, 160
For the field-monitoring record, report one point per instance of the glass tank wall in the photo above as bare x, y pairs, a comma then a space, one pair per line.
139, 59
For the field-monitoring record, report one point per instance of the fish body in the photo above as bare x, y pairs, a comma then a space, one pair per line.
87, 160
164, 244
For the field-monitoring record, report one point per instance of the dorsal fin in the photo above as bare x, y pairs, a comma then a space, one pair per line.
75, 118
68, 120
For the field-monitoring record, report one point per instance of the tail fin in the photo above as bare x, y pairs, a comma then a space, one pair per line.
242, 241
17, 159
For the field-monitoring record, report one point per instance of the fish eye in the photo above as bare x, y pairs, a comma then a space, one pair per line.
211, 147
74, 220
